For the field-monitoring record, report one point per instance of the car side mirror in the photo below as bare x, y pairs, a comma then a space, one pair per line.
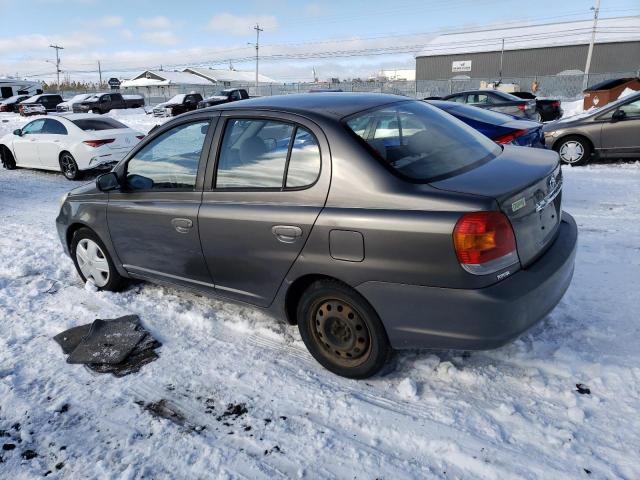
18, 132
618, 115
107, 182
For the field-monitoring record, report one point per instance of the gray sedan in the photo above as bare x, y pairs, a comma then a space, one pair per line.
371, 221
612, 131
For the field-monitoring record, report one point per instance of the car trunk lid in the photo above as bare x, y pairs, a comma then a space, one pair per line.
527, 185
123, 138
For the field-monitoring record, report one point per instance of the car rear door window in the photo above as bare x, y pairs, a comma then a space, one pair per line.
304, 162
478, 98
253, 154
169, 161
54, 127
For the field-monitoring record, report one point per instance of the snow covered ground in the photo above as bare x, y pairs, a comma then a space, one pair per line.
510, 413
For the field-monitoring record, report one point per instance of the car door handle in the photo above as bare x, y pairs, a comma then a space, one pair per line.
182, 225
286, 233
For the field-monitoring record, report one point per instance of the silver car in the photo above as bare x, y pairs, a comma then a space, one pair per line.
371, 221
612, 131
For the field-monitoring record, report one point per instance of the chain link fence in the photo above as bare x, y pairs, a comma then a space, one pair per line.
563, 87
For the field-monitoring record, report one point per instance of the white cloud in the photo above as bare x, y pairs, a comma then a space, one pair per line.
34, 42
241, 25
110, 21
126, 34
154, 22
313, 10
162, 37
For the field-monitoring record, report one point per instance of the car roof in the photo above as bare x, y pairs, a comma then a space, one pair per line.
329, 104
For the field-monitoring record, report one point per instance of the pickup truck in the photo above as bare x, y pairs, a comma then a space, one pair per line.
105, 102
547, 109
224, 96
181, 103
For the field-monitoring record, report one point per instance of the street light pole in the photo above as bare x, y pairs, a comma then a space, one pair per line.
596, 11
57, 48
258, 30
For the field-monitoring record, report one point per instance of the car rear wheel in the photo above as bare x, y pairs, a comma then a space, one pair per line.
342, 331
93, 262
68, 166
8, 161
574, 150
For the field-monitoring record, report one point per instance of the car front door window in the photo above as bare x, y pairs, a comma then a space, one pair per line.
170, 161
33, 127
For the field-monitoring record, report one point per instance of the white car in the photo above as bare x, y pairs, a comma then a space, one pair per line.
68, 143
67, 105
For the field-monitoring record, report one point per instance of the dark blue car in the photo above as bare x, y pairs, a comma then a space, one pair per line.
499, 127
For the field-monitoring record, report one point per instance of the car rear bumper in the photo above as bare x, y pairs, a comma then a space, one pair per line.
443, 318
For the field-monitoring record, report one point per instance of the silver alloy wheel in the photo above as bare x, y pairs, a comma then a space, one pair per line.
571, 151
92, 262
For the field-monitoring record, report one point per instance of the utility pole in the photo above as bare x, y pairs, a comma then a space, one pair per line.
99, 74
501, 59
596, 11
258, 30
57, 48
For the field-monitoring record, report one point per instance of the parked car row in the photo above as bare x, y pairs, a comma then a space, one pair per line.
48, 102
186, 102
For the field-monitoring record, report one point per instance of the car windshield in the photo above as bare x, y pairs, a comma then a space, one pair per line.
474, 113
420, 142
95, 124
177, 98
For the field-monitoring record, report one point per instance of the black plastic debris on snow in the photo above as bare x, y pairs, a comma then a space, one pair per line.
583, 389
118, 346
164, 409
233, 411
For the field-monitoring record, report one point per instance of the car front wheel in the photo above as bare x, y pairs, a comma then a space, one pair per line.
342, 331
68, 166
93, 262
574, 150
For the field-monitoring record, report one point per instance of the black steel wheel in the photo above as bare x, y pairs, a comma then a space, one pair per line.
342, 331
68, 166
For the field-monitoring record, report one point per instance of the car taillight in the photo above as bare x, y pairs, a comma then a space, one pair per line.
484, 242
139, 137
555, 103
521, 107
509, 137
98, 143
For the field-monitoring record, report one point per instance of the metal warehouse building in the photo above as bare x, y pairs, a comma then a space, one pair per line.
534, 50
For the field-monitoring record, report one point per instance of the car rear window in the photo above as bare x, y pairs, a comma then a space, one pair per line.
475, 113
95, 124
420, 142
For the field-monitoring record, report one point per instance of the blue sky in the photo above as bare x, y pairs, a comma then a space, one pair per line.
130, 35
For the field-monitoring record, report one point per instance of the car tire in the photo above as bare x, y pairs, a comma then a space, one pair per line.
69, 167
574, 150
342, 331
8, 161
92, 261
